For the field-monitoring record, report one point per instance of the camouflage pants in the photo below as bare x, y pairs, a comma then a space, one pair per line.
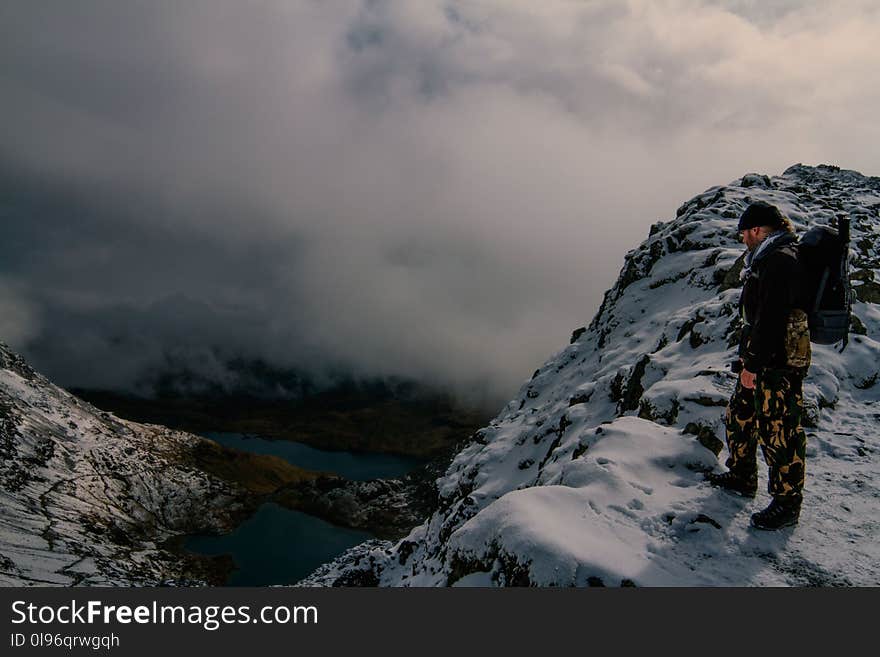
769, 414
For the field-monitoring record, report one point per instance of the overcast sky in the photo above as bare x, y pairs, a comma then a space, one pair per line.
438, 189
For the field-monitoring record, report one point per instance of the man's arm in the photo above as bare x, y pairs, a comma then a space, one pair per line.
775, 298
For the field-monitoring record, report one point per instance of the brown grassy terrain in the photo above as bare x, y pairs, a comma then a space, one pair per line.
258, 473
352, 420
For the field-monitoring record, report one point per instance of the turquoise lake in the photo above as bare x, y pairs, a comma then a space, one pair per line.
351, 465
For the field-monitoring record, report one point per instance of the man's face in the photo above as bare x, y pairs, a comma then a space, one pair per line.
751, 237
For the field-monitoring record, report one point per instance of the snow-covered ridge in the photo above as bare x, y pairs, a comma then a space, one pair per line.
593, 473
87, 498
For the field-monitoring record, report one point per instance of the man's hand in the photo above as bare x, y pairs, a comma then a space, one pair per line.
747, 379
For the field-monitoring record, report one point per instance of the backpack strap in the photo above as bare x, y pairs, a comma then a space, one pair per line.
843, 231
826, 274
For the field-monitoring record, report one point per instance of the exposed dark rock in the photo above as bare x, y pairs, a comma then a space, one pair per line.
824, 402
864, 246
564, 423
506, 570
704, 400
713, 258
810, 416
706, 436
702, 201
466, 509
633, 391
731, 276
867, 292
600, 313
669, 279
648, 411
365, 577
615, 388
857, 326
577, 333
734, 332
405, 550
7, 564
631, 273
662, 342
688, 326
696, 339
460, 566
582, 398
478, 437
755, 180
9, 360
678, 240
704, 519
638, 264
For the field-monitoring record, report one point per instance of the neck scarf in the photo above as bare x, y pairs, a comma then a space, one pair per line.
753, 256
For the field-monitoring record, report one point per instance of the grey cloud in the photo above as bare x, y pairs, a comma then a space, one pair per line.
17, 315
439, 190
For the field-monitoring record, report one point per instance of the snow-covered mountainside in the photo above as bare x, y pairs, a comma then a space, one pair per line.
594, 473
87, 498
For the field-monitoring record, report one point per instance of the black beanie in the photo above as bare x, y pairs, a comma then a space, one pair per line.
760, 213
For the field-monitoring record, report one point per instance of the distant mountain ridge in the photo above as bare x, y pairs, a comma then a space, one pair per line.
593, 473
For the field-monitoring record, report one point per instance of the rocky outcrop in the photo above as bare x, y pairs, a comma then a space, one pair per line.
89, 499
387, 508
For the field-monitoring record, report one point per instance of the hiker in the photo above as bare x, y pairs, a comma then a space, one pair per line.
774, 357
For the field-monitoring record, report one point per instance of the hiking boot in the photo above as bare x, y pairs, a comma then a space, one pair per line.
732, 482
777, 515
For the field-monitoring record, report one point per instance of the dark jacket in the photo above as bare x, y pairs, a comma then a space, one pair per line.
775, 333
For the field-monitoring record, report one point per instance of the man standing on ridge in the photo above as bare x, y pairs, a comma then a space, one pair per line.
767, 403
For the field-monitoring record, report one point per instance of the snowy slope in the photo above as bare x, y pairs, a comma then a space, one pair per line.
594, 473
86, 498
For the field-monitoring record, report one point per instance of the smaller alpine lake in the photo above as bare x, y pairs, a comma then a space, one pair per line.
357, 466
278, 546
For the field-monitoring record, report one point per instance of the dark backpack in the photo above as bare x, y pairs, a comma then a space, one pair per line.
824, 254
